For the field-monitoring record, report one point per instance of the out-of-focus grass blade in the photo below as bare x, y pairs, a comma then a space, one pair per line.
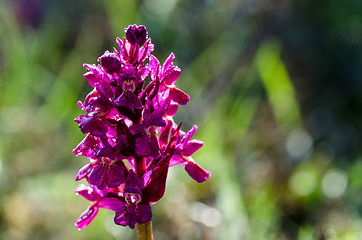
217, 57
232, 116
278, 85
16, 75
305, 233
121, 14
60, 105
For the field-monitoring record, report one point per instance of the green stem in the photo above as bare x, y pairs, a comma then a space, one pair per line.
144, 231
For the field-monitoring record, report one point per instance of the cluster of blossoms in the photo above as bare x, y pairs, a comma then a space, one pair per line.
132, 139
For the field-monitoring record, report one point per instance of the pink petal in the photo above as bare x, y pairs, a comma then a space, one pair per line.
86, 217
196, 172
84, 171
179, 96
191, 147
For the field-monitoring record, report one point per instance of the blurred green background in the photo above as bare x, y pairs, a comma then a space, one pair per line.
275, 89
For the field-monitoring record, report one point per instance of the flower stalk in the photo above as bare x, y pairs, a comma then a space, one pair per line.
144, 231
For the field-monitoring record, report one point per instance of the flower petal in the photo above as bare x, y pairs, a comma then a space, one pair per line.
154, 186
97, 175
87, 193
110, 62
172, 109
115, 176
143, 146
168, 62
87, 146
91, 78
170, 76
86, 217
179, 96
143, 213
83, 172
196, 172
111, 203
191, 147
133, 183
126, 216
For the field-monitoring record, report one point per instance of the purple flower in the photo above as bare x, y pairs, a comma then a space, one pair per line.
167, 75
129, 84
147, 145
182, 155
110, 62
154, 180
88, 146
133, 211
97, 108
97, 200
146, 141
107, 173
136, 34
130, 50
129, 120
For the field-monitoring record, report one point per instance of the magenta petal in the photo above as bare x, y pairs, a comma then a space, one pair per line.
188, 135
92, 124
83, 171
154, 65
196, 172
164, 135
138, 128
114, 176
107, 151
130, 215
191, 147
133, 183
172, 75
155, 149
176, 159
111, 203
134, 101
86, 146
126, 216
145, 51
142, 73
131, 34
172, 109
168, 62
121, 100
110, 62
179, 96
86, 192
85, 123
97, 175
143, 213
141, 34
143, 146
91, 78
158, 122
156, 183
86, 217
129, 100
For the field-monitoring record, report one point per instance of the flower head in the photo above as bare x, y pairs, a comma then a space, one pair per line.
129, 119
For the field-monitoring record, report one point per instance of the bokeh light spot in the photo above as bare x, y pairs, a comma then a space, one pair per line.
334, 183
160, 7
299, 143
204, 214
303, 183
